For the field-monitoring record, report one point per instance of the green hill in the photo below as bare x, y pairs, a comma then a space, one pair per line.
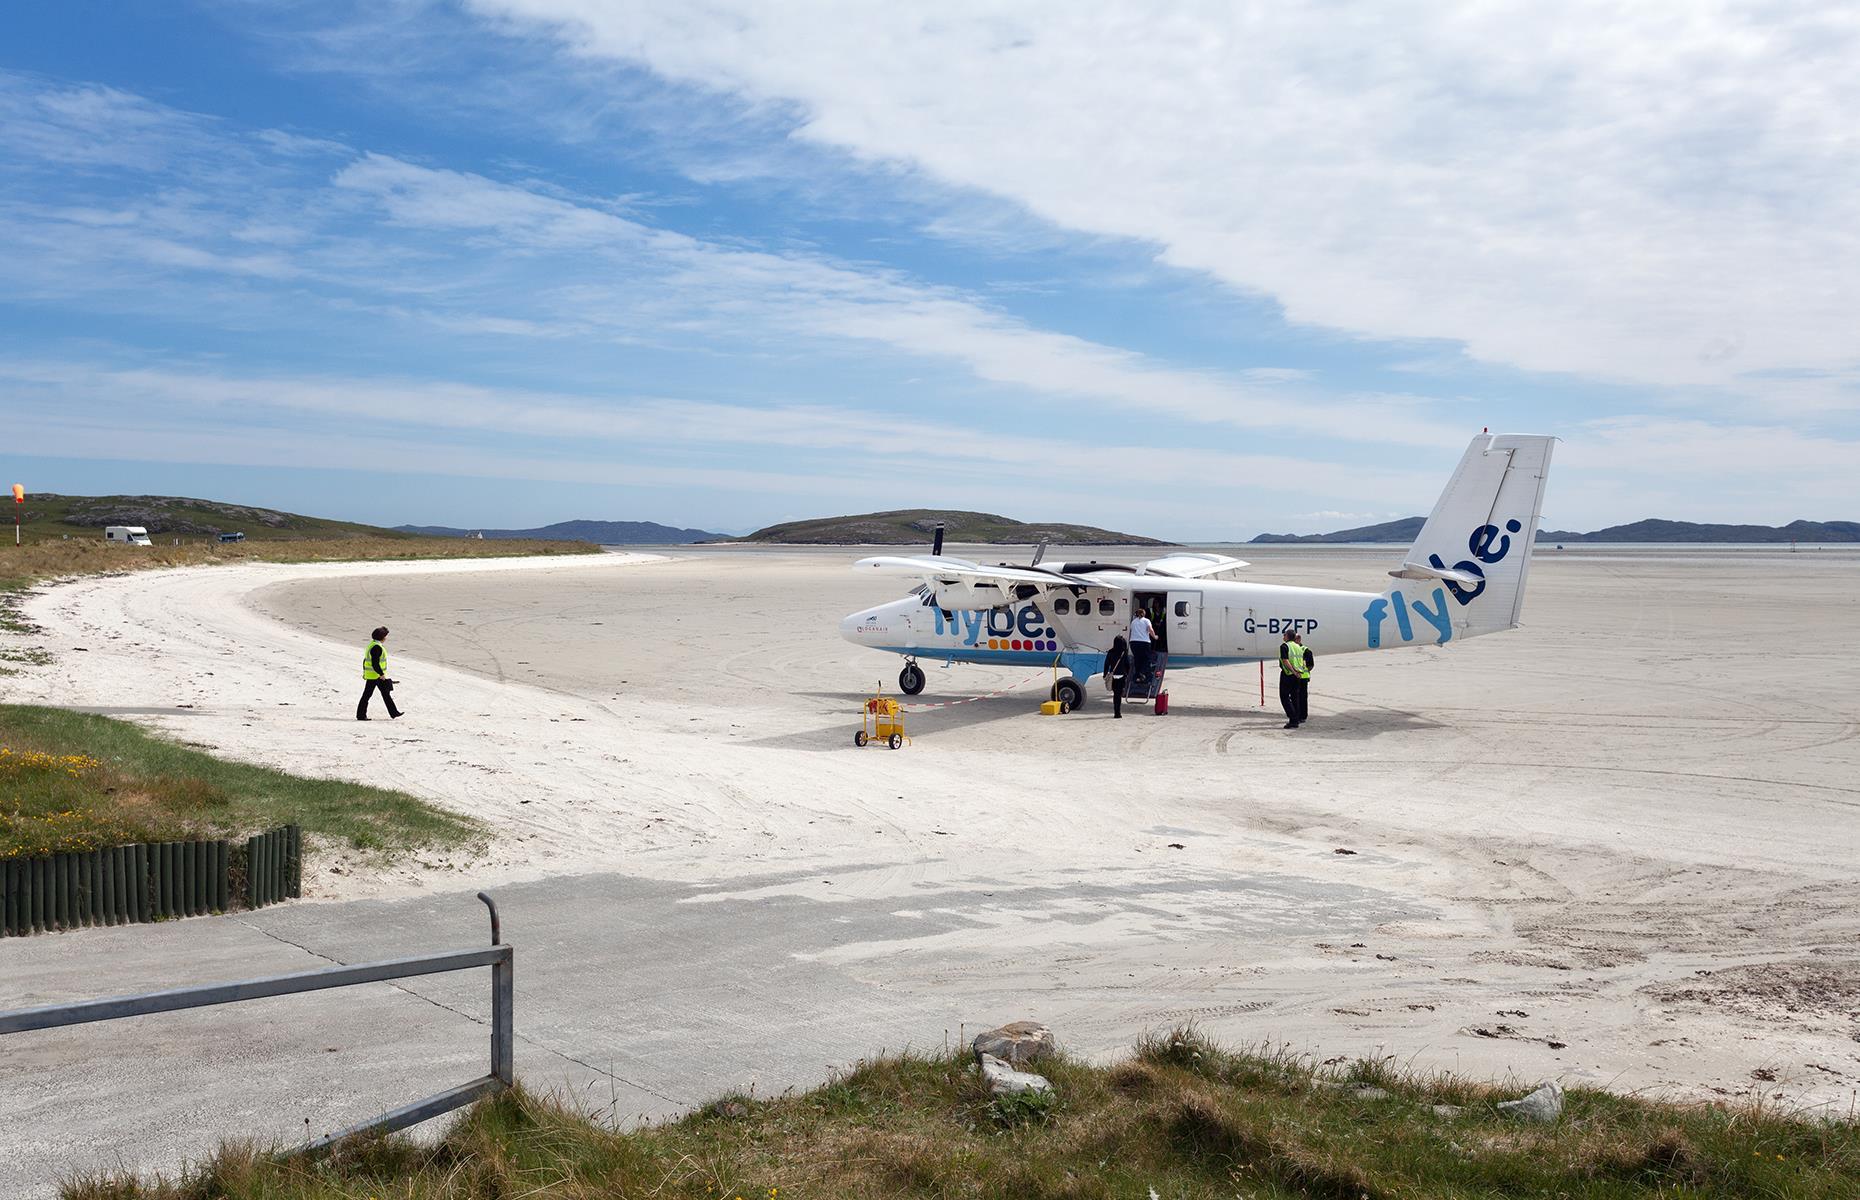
917, 526
49, 516
1403, 530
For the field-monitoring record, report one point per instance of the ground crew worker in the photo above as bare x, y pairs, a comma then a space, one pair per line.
1301, 680
1294, 679
374, 676
1142, 651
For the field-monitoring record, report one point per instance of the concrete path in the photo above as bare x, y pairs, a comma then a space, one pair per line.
639, 999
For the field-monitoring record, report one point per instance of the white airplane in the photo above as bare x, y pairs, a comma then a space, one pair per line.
1463, 577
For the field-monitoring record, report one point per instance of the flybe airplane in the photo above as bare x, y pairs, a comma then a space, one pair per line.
1463, 577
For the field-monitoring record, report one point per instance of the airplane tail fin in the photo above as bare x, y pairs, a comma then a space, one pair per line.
1467, 567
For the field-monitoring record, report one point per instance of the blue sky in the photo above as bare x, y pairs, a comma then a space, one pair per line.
1196, 271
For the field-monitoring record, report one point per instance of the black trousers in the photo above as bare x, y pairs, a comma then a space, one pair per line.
1119, 685
369, 688
1142, 659
1301, 689
1288, 697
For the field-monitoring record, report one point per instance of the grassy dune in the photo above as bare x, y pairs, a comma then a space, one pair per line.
75, 781
1182, 1118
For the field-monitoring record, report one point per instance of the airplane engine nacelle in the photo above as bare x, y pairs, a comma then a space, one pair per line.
969, 597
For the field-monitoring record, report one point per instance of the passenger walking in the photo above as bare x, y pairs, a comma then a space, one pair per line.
1142, 648
1294, 679
1117, 673
374, 676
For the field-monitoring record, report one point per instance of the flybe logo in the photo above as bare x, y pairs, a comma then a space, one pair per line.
1005, 630
1488, 545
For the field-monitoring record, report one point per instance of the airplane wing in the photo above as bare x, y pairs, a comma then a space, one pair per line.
961, 584
1185, 564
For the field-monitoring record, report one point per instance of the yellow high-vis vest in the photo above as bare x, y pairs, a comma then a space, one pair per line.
1295, 662
368, 661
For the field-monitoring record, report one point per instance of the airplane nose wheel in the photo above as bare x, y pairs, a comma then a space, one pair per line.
911, 679
1070, 694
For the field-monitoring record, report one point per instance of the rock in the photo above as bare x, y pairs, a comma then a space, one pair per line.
1368, 1092
1004, 1080
1449, 1111
1017, 1044
1544, 1105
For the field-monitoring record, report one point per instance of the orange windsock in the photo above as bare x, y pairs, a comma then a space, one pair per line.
19, 493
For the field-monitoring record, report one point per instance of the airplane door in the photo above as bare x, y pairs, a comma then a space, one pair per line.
1184, 621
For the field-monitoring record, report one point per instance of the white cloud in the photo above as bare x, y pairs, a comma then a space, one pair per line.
634, 435
1657, 193
812, 296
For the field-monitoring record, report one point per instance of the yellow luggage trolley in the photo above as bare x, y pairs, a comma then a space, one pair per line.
881, 724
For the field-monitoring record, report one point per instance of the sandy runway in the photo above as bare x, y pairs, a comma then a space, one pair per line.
1617, 847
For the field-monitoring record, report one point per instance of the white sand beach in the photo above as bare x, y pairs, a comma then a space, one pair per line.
1617, 847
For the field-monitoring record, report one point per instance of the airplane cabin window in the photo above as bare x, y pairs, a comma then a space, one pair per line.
1181, 608
1062, 606
1106, 608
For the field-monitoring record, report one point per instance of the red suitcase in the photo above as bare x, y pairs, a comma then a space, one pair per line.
1162, 703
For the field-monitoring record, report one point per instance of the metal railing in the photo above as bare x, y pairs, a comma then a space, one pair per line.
498, 956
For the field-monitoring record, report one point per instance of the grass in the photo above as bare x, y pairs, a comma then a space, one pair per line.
49, 515
76, 781
1181, 1118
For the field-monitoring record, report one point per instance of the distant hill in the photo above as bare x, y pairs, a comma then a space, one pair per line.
1402, 531
50, 515
916, 527
1405, 530
1655, 530
606, 533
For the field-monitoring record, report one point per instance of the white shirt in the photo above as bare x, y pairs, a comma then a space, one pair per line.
1140, 629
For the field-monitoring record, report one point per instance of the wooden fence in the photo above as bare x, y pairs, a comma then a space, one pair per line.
156, 881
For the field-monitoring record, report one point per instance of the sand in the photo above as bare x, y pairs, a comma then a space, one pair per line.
1615, 847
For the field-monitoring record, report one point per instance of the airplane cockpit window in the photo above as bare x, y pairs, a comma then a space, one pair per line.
1062, 606
929, 599
1181, 608
1106, 608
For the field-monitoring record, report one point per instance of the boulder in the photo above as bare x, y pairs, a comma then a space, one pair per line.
1018, 1044
1544, 1105
1004, 1080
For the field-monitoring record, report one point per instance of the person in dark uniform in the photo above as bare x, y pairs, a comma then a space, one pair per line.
1117, 671
374, 676
1306, 658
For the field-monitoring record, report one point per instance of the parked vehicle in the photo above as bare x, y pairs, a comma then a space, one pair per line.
232, 537
127, 535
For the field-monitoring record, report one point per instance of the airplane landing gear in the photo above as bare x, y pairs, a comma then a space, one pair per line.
911, 679
1070, 693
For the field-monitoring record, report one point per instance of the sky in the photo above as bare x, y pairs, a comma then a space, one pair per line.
1197, 271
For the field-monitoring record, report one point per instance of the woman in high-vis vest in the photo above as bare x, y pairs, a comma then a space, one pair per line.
374, 676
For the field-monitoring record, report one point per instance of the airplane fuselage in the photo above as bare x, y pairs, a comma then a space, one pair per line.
1206, 622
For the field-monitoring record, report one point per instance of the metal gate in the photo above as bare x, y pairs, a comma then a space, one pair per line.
498, 956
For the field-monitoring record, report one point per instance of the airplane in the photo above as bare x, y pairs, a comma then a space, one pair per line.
1463, 577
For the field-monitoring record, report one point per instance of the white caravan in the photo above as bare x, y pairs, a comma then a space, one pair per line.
127, 535
1463, 577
